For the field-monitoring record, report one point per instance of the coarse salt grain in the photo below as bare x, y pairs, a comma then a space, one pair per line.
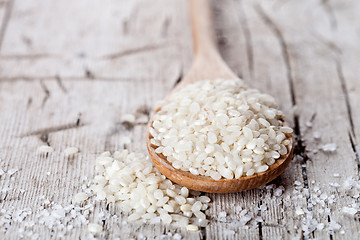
299, 211
227, 125
330, 147
349, 211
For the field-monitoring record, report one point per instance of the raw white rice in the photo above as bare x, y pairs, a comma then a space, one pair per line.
45, 149
131, 180
192, 228
95, 228
80, 197
70, 151
221, 129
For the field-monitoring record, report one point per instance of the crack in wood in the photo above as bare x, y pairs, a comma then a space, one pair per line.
89, 74
143, 110
115, 129
29, 102
259, 214
44, 137
52, 129
46, 91
300, 147
283, 46
340, 74
329, 220
78, 120
27, 41
356, 152
70, 78
179, 77
203, 233
125, 27
27, 56
313, 117
328, 43
248, 40
5, 20
330, 13
146, 48
60, 84
165, 27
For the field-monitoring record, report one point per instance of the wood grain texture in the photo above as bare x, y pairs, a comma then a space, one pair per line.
69, 71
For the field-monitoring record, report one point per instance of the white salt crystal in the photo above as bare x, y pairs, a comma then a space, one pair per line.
297, 183
320, 226
334, 184
2, 172
349, 211
58, 213
177, 236
263, 207
245, 219
299, 211
238, 208
334, 226
222, 214
323, 196
95, 228
317, 135
330, 147
71, 151
228, 232
278, 192
45, 149
336, 175
308, 124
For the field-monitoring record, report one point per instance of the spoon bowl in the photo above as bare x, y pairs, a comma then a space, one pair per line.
207, 184
208, 65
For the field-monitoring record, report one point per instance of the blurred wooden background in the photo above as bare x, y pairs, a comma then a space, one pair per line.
69, 70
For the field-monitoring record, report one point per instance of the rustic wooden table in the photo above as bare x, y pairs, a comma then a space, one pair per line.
69, 71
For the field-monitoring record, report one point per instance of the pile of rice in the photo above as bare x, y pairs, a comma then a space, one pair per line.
132, 181
221, 129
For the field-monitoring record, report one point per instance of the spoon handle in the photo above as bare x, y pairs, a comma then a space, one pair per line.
204, 39
208, 63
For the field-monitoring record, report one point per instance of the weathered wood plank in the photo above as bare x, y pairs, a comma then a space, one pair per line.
92, 39
67, 77
319, 99
121, 77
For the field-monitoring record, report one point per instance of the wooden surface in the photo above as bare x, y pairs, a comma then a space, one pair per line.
69, 71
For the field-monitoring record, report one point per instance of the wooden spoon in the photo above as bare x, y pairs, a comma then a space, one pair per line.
208, 65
